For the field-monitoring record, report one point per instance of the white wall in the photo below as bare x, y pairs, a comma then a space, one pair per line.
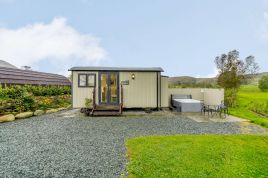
213, 96
208, 96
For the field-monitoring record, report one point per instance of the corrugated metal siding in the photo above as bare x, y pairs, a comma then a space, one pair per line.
81, 93
141, 92
209, 96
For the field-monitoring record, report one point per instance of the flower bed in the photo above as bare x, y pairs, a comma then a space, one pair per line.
17, 99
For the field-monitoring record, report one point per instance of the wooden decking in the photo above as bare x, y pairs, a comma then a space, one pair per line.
106, 110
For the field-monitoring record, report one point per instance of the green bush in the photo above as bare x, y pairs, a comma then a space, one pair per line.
28, 98
12, 92
28, 103
48, 90
263, 83
45, 102
88, 102
230, 96
24, 103
16, 98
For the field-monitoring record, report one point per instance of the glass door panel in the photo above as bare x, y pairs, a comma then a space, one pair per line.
104, 88
108, 88
113, 88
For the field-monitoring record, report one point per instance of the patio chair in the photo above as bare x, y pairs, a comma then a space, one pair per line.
211, 109
219, 109
206, 108
224, 108
203, 108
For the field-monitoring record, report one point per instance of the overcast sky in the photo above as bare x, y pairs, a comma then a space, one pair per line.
182, 37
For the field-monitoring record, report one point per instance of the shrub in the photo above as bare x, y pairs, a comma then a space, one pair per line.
12, 92
27, 98
28, 103
263, 83
49, 90
88, 102
44, 102
231, 96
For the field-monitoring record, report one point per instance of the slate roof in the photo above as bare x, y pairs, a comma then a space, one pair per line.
133, 69
18, 76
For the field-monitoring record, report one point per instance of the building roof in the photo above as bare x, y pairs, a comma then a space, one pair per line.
7, 65
134, 69
18, 76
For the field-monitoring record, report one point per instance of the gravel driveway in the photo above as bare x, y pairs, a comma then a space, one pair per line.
69, 145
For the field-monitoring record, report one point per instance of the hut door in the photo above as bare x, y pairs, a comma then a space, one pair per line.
108, 88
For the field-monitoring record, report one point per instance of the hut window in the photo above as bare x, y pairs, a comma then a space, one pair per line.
86, 80
82, 80
91, 80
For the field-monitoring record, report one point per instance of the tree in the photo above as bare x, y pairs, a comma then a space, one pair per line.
263, 83
232, 71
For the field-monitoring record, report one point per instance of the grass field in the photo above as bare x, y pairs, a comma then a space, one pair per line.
251, 98
198, 156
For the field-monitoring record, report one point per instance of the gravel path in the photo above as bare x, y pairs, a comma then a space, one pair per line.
68, 145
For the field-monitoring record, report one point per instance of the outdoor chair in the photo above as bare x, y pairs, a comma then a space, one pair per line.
206, 108
224, 108
213, 110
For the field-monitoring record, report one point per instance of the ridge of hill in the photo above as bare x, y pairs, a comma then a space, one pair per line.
178, 80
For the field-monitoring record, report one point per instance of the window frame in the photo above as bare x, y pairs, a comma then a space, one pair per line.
94, 80
87, 85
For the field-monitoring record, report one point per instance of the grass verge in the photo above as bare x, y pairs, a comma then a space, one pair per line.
198, 156
249, 96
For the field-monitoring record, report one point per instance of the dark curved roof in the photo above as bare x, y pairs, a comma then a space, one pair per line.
134, 69
18, 76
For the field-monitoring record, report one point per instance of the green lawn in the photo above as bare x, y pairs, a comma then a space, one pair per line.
198, 156
250, 96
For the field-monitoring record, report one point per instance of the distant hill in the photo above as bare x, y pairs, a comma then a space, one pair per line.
257, 77
187, 80
190, 80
